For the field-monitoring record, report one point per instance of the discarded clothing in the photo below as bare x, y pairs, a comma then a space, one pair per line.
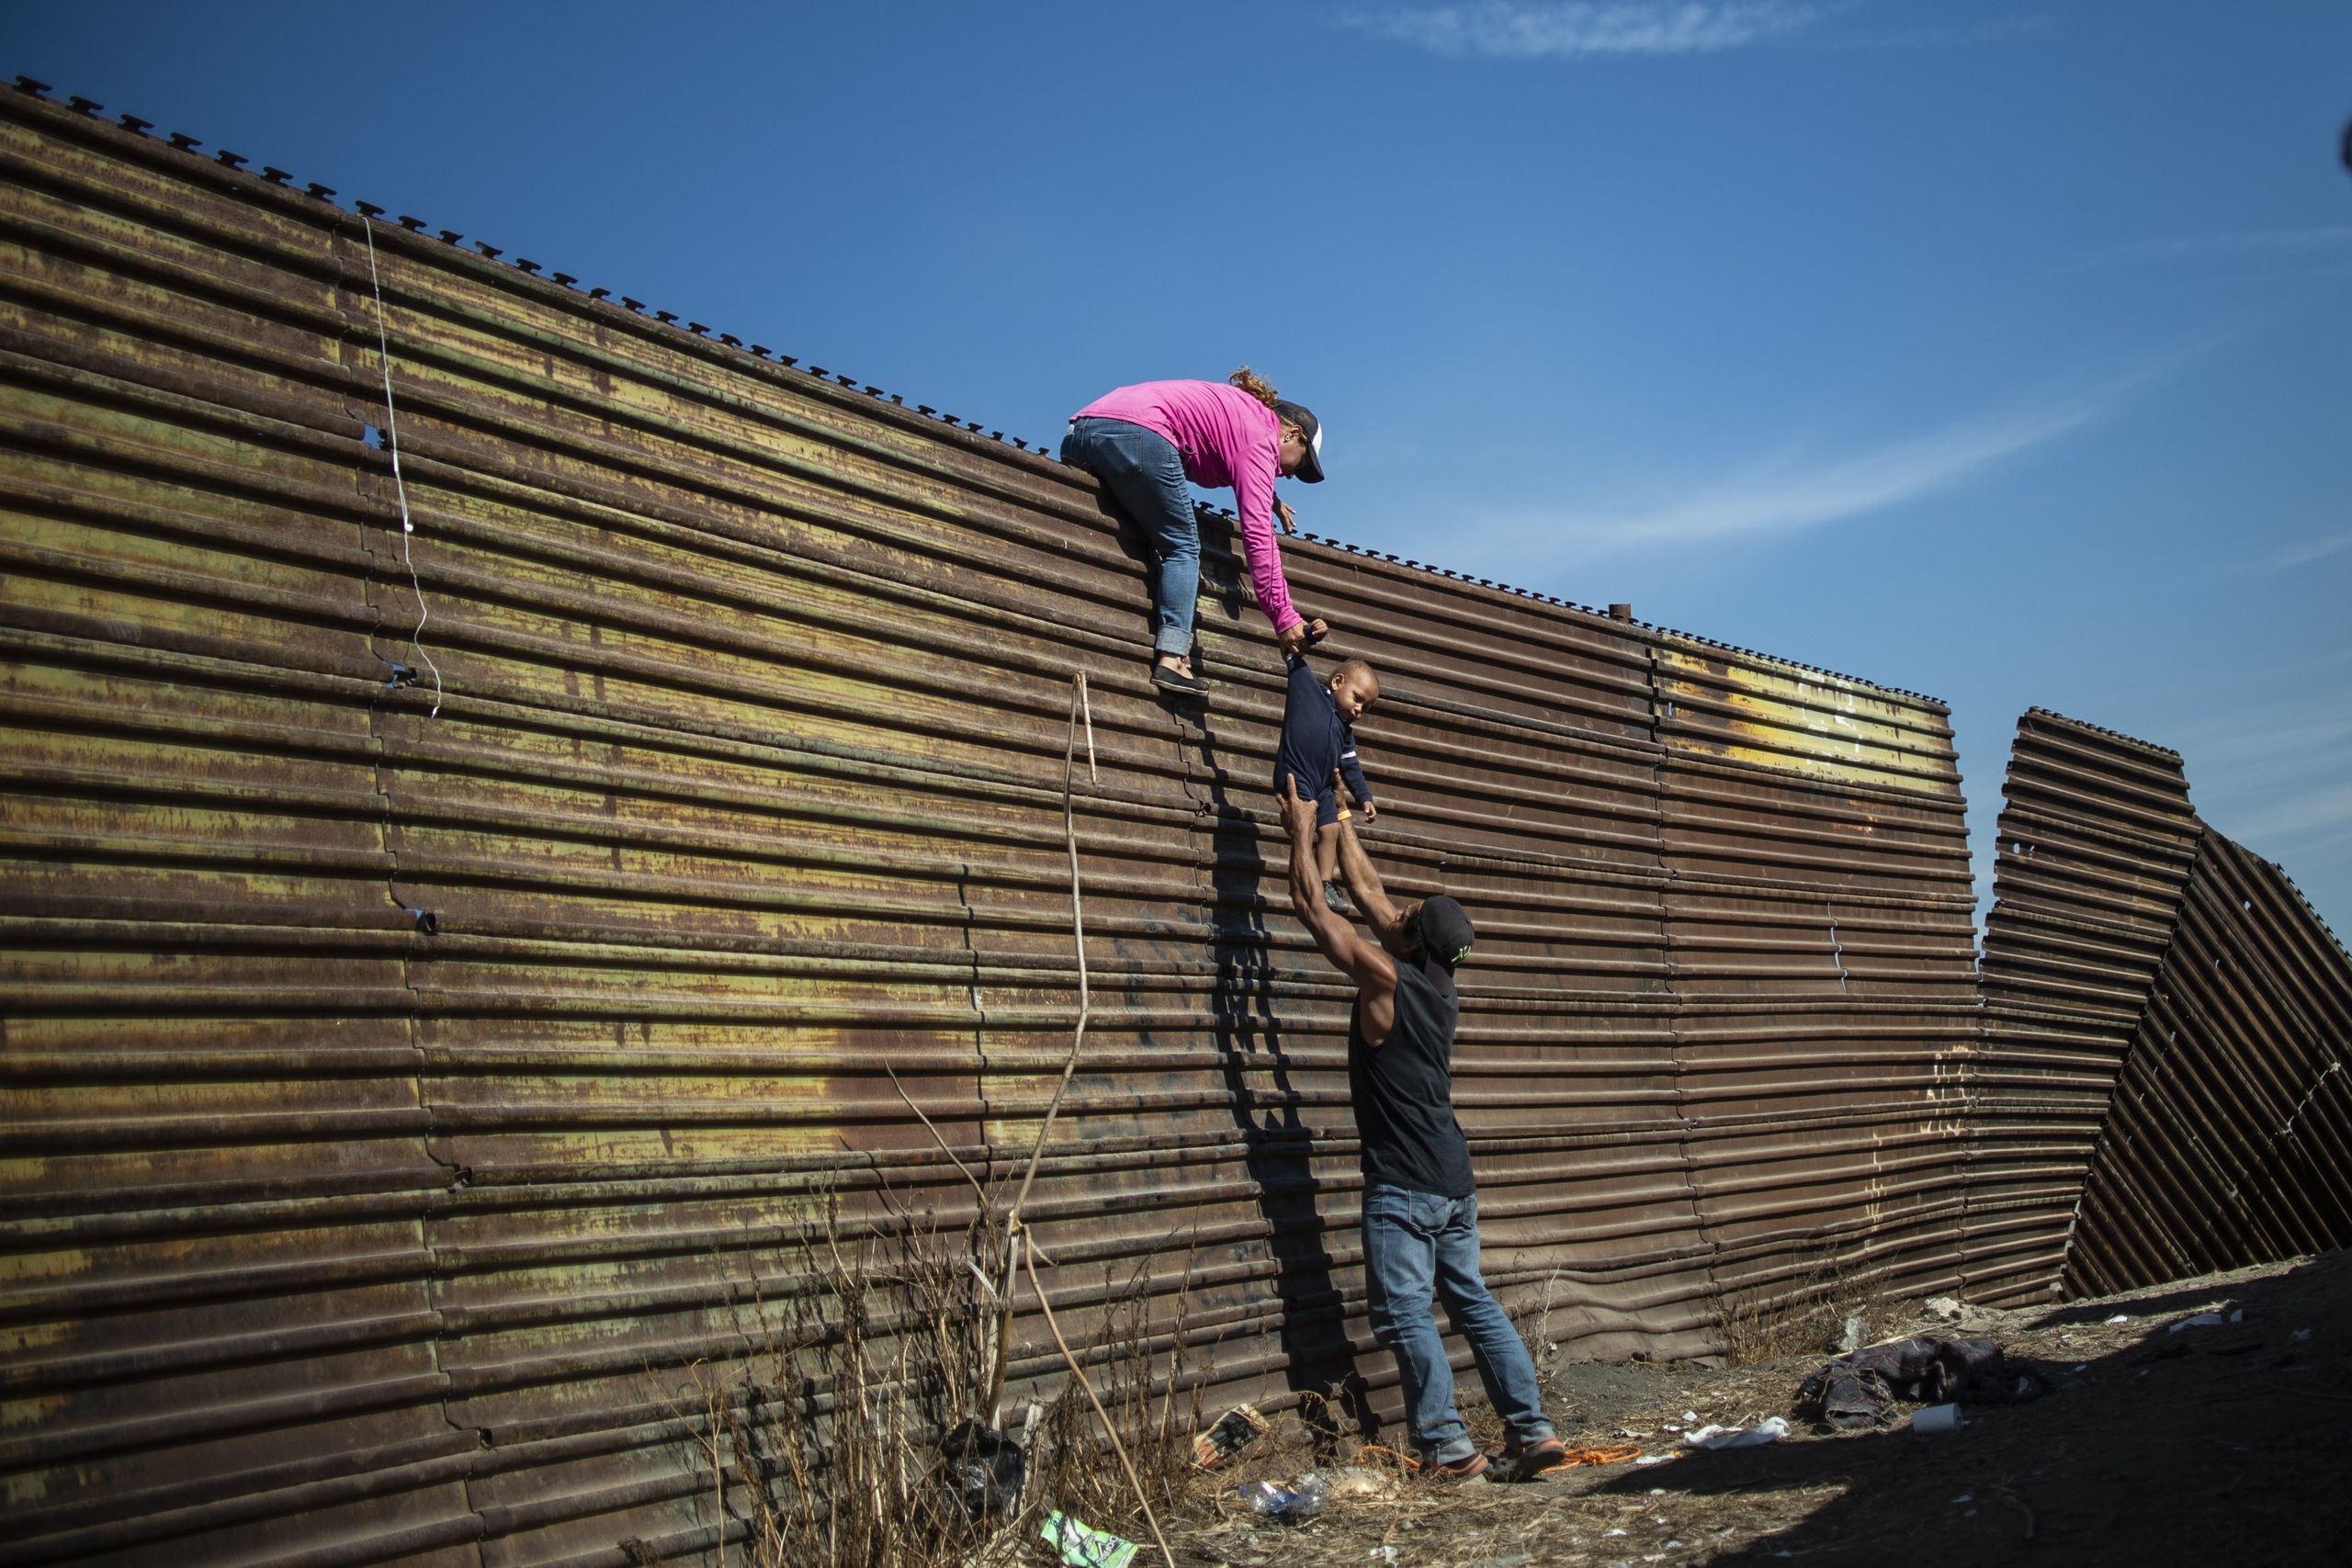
1862, 1389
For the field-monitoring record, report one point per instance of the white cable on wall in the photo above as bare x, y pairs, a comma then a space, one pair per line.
392, 435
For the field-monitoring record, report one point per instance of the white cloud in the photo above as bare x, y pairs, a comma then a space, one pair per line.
2272, 773
1569, 30
2309, 551
1786, 498
2320, 811
1573, 30
2253, 749
1959, 35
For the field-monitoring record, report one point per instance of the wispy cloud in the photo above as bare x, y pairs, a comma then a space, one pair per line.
2248, 750
1576, 29
1570, 30
2304, 819
1957, 35
1787, 497
2257, 242
2272, 773
2309, 551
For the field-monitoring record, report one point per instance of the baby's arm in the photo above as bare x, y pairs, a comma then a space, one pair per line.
1351, 770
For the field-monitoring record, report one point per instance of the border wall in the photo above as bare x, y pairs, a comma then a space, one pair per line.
2164, 1093
411, 1067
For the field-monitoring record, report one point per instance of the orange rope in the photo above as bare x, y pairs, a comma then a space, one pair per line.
1376, 1448
1605, 1453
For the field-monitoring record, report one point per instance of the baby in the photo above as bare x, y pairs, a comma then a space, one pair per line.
1318, 735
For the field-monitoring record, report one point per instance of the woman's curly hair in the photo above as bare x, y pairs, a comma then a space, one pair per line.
1257, 386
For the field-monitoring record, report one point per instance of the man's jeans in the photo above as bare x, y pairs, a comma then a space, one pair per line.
1145, 476
1413, 1241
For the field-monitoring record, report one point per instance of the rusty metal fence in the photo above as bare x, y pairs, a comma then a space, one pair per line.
2165, 1091
458, 921
2094, 845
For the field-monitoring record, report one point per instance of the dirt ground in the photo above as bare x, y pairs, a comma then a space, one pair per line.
2227, 1445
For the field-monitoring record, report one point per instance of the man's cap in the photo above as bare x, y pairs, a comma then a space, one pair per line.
1310, 471
1445, 933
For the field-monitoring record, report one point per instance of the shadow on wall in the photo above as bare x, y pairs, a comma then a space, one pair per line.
2220, 1445
1278, 1144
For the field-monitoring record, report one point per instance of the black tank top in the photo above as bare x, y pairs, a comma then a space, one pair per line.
1403, 1090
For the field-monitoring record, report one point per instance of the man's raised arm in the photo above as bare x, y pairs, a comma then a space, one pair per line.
1363, 883
1362, 962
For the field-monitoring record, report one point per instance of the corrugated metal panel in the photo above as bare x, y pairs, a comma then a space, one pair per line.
216, 1171
2164, 1086
2095, 844
1820, 934
2094, 850
329, 1236
2229, 1141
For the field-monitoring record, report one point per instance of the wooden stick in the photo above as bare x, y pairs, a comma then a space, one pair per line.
1069, 1063
1112, 1432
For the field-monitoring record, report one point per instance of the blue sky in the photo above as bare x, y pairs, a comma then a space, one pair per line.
2001, 351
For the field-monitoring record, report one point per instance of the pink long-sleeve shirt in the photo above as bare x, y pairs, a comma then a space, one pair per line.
1225, 437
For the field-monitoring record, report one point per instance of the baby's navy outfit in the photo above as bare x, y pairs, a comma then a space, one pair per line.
1315, 740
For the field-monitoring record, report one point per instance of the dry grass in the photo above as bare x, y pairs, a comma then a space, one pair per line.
1816, 1310
1149, 1384
823, 1447
893, 1336
1532, 1322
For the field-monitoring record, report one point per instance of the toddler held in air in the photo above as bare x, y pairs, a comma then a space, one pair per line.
1318, 737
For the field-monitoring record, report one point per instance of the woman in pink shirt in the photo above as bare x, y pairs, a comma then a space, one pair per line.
1144, 441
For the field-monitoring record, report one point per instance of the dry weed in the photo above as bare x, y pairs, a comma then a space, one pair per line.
1815, 1309
823, 1447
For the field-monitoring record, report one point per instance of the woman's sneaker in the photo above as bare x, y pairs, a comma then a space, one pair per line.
1177, 683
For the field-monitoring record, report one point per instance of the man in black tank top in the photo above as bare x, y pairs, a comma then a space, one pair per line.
1420, 1204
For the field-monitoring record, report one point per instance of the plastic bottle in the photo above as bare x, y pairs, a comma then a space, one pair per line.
1292, 1504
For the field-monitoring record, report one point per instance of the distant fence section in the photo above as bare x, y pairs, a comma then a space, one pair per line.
2163, 1091
452, 946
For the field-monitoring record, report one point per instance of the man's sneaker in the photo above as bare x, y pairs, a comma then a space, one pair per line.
1513, 1463
1337, 901
1468, 1467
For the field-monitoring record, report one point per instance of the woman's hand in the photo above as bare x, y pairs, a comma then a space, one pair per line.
1285, 517
1303, 635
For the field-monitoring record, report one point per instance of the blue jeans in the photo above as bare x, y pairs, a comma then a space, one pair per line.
1145, 476
1413, 1241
